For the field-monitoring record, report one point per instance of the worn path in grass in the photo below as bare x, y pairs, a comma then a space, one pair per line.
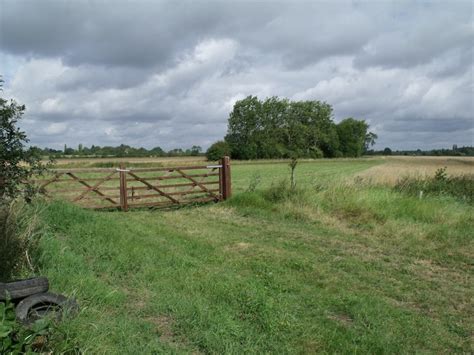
335, 270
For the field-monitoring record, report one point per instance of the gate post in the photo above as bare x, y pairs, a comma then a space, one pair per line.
225, 180
123, 188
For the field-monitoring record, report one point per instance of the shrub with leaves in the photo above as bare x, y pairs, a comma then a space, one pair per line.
17, 163
218, 150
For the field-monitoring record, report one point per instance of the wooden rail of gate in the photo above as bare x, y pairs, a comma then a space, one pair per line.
126, 188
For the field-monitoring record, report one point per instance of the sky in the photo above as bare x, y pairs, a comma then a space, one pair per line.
167, 73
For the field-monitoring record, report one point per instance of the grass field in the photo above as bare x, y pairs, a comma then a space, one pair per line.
343, 264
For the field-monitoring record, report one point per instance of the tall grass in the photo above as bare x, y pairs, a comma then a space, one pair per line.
460, 187
20, 230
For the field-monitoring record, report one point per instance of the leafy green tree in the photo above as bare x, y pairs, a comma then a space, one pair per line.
279, 128
218, 150
17, 163
352, 137
195, 150
370, 138
157, 151
243, 126
387, 151
176, 152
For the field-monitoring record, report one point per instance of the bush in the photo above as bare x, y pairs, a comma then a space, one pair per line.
282, 191
218, 150
278, 192
17, 163
316, 153
460, 187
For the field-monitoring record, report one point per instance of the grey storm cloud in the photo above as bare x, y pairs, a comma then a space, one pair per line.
168, 73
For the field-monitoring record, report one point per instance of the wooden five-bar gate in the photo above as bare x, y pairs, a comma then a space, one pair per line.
125, 188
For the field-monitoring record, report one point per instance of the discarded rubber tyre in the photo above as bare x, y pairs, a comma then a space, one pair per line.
23, 288
43, 305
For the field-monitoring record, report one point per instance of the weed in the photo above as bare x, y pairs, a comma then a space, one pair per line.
293, 163
40, 337
460, 187
254, 182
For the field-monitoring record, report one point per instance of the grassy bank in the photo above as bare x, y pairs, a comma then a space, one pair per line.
335, 267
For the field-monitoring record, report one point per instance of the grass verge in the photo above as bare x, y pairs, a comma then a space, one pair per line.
331, 267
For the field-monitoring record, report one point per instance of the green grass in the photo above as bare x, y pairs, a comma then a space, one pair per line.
332, 267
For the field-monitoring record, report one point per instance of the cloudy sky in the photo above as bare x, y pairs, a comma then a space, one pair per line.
167, 73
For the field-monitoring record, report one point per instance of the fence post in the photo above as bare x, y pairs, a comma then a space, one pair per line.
123, 188
225, 180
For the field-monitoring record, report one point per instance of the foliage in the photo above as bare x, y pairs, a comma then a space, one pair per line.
41, 337
17, 163
195, 150
455, 151
352, 137
460, 187
387, 151
370, 139
279, 128
218, 150
122, 150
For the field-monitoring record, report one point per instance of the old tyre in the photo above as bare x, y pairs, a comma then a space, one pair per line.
23, 288
44, 304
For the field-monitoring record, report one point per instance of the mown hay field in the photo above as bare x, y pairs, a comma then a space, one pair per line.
342, 264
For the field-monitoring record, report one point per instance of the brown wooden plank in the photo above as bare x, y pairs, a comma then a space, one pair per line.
93, 197
169, 177
102, 188
178, 193
92, 188
204, 188
69, 180
152, 187
201, 181
165, 204
100, 207
171, 168
173, 185
56, 177
226, 188
84, 170
123, 187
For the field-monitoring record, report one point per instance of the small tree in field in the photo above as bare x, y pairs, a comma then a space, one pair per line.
17, 163
292, 165
387, 151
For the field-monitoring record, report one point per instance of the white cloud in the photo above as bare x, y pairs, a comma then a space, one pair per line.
55, 128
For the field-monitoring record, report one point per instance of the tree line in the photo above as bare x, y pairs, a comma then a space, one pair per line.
280, 128
455, 151
122, 150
